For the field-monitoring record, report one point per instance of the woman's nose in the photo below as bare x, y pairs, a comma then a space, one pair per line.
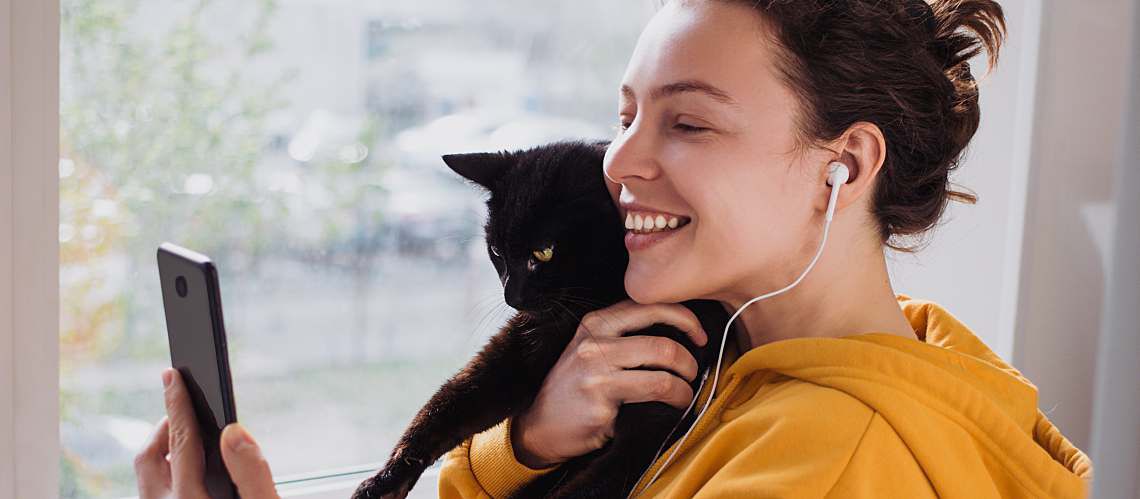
631, 155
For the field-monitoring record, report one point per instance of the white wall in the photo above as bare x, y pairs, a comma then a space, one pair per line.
1116, 408
1085, 70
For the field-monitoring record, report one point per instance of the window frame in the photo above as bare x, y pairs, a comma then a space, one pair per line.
29, 248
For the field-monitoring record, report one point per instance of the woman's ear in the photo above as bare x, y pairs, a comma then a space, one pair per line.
863, 149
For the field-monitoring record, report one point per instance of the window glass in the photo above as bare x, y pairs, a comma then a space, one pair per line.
297, 143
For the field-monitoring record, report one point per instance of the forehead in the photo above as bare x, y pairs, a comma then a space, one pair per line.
725, 44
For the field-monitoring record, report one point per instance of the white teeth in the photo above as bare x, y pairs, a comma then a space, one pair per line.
650, 222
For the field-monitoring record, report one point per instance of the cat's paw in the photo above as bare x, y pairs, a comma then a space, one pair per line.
394, 481
379, 488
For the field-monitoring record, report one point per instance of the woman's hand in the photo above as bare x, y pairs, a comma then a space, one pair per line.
575, 409
182, 476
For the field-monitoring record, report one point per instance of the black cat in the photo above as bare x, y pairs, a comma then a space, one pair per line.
556, 240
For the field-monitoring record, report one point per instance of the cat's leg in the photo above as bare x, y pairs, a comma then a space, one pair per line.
487, 390
638, 433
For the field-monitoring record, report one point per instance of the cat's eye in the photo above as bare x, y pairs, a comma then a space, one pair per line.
545, 254
495, 251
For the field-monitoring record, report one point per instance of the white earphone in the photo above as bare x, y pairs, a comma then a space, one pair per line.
837, 175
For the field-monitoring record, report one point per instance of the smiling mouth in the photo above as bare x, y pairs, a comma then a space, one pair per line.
647, 222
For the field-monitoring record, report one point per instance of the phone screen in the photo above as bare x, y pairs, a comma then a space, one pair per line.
192, 300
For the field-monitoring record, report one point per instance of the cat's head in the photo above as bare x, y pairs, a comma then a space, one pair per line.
552, 230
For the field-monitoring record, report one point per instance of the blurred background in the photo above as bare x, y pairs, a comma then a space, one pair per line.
297, 143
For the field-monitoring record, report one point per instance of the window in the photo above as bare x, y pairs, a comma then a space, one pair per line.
297, 143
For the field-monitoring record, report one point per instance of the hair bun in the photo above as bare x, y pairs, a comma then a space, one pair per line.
962, 29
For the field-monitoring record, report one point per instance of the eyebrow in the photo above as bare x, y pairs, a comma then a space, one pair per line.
684, 86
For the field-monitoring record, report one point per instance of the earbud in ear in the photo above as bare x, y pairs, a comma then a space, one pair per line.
837, 173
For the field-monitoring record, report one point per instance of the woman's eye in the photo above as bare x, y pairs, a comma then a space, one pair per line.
689, 128
623, 125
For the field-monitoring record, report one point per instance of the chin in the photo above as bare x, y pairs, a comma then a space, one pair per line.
654, 288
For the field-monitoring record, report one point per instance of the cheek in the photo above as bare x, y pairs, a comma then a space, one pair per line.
747, 214
749, 217
734, 201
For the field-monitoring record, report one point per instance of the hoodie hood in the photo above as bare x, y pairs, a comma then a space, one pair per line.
966, 415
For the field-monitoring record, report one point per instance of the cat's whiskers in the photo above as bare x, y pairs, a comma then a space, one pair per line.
495, 308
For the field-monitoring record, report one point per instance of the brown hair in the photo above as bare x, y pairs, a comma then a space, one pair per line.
902, 65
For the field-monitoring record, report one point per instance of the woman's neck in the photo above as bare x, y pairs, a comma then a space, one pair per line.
846, 293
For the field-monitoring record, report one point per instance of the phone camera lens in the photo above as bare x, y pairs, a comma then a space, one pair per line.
180, 286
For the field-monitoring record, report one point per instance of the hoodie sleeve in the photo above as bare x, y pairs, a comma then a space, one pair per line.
485, 466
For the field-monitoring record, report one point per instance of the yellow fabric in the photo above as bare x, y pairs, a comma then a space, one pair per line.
868, 415
485, 466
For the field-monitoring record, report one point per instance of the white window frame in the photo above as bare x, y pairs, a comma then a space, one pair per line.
29, 248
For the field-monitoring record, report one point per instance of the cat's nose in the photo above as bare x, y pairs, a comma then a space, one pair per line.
516, 302
519, 300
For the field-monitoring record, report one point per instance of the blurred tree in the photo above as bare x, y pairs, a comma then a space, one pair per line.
152, 148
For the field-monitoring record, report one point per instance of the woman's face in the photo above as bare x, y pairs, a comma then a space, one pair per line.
708, 133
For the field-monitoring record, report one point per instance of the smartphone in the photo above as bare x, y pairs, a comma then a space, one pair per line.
192, 299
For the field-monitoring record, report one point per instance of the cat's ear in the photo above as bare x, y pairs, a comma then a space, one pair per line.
483, 168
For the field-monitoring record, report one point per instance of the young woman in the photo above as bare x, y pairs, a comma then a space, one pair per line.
731, 114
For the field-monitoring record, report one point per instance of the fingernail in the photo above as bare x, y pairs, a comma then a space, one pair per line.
167, 377
241, 441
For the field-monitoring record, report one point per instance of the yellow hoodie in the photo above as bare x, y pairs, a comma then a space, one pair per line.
868, 415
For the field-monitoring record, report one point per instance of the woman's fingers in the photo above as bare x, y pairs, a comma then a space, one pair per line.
246, 465
627, 315
187, 460
574, 410
151, 468
628, 387
636, 352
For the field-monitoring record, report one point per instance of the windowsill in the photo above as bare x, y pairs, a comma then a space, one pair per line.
336, 483
339, 483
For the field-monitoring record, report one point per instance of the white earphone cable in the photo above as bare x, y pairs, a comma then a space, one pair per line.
837, 183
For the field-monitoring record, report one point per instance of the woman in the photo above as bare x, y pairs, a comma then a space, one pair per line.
731, 112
